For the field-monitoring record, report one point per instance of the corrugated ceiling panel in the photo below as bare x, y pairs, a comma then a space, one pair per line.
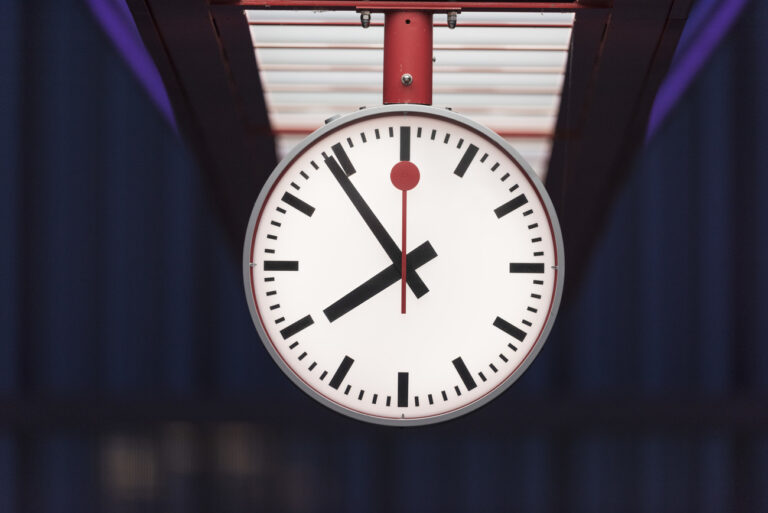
504, 70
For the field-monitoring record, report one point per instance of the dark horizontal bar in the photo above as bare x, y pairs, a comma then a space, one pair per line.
380, 6
574, 415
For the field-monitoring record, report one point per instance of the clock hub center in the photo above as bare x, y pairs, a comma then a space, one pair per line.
405, 175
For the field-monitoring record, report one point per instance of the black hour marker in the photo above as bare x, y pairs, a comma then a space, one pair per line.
527, 323
528, 212
274, 307
362, 136
461, 143
509, 329
513, 188
418, 132
432, 136
416, 400
376, 132
464, 374
270, 251
304, 175
314, 164
281, 265
503, 178
536, 296
493, 367
341, 372
513, 348
389, 400
495, 166
482, 376
312, 367
447, 136
536, 239
292, 346
343, 159
275, 223
297, 326
323, 375
402, 389
346, 390
405, 143
295, 186
304, 208
375, 398
538, 253
457, 389
278, 321
391, 132
271, 292
532, 226
503, 358
281, 210
303, 355
538, 282
360, 395
466, 160
526, 268
349, 141
532, 309
511, 206
269, 278
485, 156
272, 237
445, 396
429, 398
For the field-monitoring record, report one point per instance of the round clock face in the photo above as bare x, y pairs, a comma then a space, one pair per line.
403, 265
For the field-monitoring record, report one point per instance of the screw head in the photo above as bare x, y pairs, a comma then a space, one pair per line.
365, 19
406, 79
452, 15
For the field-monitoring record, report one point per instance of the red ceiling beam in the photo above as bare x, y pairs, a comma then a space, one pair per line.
447, 47
331, 68
523, 134
474, 24
381, 6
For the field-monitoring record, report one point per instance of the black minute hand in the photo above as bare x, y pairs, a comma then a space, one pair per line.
390, 247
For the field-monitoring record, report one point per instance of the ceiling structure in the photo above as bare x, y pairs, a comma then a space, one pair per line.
570, 84
504, 70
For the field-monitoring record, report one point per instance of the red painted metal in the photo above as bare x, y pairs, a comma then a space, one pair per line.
294, 23
381, 6
408, 50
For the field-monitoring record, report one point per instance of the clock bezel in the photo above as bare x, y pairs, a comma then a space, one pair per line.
380, 111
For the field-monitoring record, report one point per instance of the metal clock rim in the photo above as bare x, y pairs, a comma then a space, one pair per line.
377, 112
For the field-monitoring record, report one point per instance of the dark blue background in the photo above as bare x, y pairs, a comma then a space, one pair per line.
131, 378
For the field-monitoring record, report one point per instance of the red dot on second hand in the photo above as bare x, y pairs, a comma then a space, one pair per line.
405, 175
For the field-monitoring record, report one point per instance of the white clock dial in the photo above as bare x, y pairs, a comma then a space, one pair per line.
323, 260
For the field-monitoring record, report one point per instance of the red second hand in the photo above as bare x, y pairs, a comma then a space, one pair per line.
405, 175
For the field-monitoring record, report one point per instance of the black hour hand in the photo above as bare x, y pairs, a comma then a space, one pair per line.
389, 276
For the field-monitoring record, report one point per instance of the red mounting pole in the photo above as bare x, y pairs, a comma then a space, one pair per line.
408, 57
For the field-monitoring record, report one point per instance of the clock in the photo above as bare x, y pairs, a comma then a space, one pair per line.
403, 265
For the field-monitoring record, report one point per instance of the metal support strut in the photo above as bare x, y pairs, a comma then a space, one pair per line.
408, 57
